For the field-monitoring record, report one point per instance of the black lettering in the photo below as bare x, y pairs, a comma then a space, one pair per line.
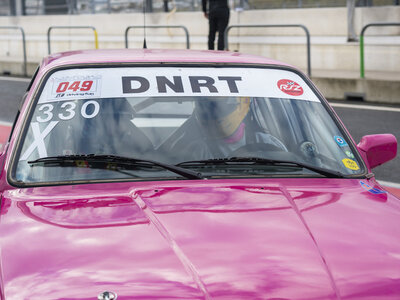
231, 83
127, 84
163, 82
208, 82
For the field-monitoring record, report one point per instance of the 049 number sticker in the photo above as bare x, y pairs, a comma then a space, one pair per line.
82, 86
74, 87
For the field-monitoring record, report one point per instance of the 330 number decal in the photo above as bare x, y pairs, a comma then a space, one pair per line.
89, 110
75, 86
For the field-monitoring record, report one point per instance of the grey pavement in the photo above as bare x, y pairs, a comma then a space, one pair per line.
11, 93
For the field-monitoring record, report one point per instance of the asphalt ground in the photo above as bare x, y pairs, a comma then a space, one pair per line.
12, 91
360, 119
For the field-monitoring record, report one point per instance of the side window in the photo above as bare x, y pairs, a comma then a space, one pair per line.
23, 100
17, 114
33, 79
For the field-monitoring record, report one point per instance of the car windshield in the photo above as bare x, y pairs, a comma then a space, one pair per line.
131, 123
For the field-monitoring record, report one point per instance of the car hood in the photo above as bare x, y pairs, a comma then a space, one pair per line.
210, 239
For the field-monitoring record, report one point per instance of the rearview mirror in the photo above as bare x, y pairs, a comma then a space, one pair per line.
378, 148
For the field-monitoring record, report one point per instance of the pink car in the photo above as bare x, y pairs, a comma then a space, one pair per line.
155, 174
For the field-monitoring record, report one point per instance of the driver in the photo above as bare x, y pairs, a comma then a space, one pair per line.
228, 124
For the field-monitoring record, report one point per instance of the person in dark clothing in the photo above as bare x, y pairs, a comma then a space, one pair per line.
218, 18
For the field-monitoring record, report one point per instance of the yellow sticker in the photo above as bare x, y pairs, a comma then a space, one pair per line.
350, 164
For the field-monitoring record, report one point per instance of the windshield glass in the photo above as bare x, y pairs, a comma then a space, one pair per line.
176, 115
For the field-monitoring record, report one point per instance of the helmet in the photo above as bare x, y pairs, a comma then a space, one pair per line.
221, 117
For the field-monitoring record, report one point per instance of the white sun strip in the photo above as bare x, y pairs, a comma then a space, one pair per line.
368, 107
39, 140
176, 82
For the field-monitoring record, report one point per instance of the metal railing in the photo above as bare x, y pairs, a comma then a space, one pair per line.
276, 25
362, 65
96, 39
158, 26
23, 43
41, 7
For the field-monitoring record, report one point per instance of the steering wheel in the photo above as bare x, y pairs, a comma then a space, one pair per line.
255, 148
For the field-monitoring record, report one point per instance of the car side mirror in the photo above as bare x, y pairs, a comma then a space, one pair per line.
378, 148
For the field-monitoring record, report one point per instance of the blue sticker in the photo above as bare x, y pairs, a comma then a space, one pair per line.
372, 190
340, 141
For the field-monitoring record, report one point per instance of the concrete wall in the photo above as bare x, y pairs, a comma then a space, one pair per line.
330, 52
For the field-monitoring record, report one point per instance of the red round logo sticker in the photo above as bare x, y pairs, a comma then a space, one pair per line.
290, 87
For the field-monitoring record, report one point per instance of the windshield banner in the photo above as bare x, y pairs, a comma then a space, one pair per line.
166, 81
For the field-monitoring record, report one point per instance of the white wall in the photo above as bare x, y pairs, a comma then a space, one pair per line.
330, 50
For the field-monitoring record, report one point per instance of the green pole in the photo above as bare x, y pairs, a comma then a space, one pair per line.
362, 72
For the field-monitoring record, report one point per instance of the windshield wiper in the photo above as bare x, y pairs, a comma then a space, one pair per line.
261, 161
101, 161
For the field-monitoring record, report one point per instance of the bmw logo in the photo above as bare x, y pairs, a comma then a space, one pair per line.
107, 296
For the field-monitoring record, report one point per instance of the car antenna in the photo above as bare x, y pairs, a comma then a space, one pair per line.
144, 24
